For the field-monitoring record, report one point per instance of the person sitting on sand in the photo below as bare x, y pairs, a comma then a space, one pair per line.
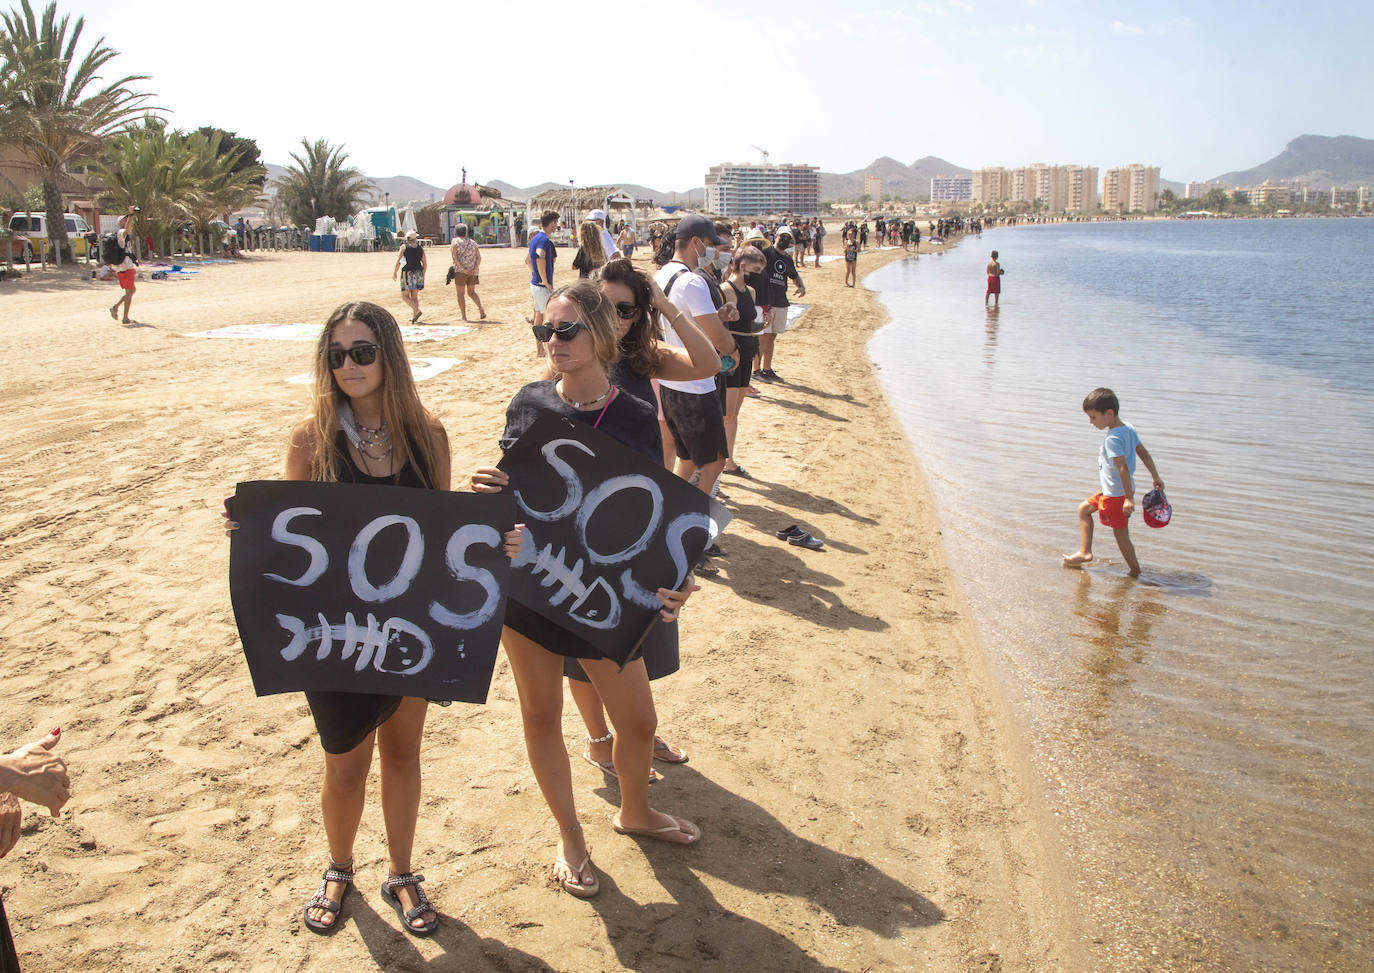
369, 427
467, 261
995, 273
414, 256
583, 343
1116, 469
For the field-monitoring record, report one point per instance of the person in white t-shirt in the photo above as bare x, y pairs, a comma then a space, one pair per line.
692, 409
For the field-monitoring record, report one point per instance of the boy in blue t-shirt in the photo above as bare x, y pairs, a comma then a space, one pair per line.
1116, 470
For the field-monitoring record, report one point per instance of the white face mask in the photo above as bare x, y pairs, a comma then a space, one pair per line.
708, 260
722, 259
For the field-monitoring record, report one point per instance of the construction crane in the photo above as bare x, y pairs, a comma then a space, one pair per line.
765, 154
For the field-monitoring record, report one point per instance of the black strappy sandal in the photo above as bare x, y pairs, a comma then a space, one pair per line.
334, 873
422, 906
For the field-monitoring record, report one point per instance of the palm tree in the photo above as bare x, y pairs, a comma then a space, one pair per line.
321, 185
174, 177
53, 117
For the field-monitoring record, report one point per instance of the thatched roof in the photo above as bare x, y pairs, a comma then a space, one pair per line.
584, 198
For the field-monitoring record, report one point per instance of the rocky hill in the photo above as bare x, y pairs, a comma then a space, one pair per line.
904, 181
1321, 161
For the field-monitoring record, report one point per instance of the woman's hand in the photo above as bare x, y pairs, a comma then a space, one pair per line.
488, 479
674, 600
514, 538
11, 817
36, 775
729, 311
230, 524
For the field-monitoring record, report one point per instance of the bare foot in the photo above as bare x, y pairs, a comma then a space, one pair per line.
1134, 573
1077, 560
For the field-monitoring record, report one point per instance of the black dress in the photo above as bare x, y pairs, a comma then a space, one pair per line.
345, 719
633, 422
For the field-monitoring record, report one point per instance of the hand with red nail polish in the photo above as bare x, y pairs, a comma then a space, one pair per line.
36, 774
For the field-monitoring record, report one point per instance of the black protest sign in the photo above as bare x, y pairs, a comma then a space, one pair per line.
605, 528
369, 589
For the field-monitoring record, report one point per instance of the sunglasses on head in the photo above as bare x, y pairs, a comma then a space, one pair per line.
567, 332
626, 310
361, 355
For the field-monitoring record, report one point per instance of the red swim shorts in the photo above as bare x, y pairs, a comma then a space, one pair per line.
994, 284
1109, 510
126, 278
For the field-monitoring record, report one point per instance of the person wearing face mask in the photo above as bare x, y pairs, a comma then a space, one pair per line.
781, 268
692, 409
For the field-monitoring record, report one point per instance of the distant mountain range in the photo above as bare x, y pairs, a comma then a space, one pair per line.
1318, 160
1321, 161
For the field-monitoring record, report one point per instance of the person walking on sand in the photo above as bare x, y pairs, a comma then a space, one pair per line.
995, 273
125, 265
1116, 471
467, 259
415, 266
626, 241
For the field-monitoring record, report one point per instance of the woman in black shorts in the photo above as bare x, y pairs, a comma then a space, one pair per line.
580, 329
639, 302
369, 427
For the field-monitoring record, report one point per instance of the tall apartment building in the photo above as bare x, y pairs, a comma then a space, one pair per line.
1061, 189
1132, 188
1196, 190
1270, 192
991, 185
1081, 191
951, 189
1366, 195
873, 187
752, 189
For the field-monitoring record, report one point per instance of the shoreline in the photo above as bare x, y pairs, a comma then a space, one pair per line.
860, 797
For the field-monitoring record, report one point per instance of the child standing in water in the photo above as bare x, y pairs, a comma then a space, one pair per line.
1116, 470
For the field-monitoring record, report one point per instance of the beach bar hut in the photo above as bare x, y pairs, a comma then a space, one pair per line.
489, 216
573, 205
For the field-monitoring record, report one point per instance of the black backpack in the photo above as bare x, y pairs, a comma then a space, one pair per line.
110, 250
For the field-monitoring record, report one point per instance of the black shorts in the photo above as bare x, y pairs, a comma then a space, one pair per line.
659, 650
697, 425
748, 352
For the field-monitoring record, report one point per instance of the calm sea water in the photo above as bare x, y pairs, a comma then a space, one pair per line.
1202, 739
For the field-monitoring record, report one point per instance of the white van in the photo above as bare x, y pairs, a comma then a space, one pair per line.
35, 227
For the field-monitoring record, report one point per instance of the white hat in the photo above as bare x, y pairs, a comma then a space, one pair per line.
597, 214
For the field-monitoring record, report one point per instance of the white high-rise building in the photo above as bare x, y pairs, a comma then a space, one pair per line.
991, 185
752, 189
1131, 189
951, 189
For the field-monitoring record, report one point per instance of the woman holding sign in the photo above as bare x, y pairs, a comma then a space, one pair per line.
369, 427
583, 341
640, 305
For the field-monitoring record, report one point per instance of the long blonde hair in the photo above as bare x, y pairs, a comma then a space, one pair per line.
410, 423
597, 315
589, 240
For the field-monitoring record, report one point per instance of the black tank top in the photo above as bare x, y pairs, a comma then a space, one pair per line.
413, 255
747, 308
348, 471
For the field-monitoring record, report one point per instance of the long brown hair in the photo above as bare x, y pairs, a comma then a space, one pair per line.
639, 346
589, 240
597, 314
410, 424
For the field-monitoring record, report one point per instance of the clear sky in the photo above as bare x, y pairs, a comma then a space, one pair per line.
529, 91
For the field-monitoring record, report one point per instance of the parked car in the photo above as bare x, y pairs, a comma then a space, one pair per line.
34, 227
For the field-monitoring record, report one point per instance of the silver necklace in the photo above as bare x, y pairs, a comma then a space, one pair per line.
363, 437
584, 405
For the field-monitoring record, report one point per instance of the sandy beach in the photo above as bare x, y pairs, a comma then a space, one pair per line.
862, 800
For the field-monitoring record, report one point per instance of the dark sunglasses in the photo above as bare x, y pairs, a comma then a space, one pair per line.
626, 311
361, 355
542, 332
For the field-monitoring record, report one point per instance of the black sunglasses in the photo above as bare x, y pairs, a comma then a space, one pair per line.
361, 355
542, 332
626, 310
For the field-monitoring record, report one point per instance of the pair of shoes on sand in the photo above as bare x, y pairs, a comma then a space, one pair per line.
797, 537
